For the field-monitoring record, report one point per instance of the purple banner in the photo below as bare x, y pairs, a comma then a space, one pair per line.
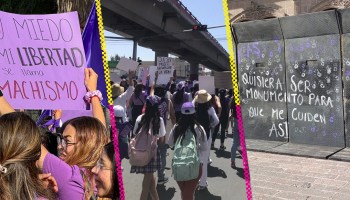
70, 114
42, 61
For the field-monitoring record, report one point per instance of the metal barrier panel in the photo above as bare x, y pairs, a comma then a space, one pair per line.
345, 26
261, 73
314, 85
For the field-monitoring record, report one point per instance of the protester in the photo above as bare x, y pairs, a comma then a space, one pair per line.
179, 98
235, 133
224, 118
119, 96
80, 147
165, 108
152, 121
189, 123
137, 101
124, 128
105, 174
208, 120
19, 175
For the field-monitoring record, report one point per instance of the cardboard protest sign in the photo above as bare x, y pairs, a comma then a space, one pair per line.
152, 71
223, 80
142, 75
206, 83
126, 64
42, 61
165, 68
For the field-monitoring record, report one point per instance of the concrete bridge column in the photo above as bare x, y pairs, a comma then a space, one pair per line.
194, 69
160, 54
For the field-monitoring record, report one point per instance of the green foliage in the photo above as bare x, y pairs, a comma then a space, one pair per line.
29, 6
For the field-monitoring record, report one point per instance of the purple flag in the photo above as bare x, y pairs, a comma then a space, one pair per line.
93, 52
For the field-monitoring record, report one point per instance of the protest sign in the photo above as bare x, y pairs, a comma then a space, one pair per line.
206, 83
126, 64
152, 71
70, 114
165, 68
142, 75
223, 80
42, 61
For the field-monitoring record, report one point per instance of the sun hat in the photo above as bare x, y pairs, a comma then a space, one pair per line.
188, 108
117, 90
202, 97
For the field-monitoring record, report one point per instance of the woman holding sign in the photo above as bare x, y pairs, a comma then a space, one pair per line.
80, 147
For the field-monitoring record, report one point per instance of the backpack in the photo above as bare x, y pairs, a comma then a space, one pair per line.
143, 147
185, 164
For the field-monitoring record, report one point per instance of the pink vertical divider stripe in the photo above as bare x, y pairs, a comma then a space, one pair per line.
116, 153
244, 152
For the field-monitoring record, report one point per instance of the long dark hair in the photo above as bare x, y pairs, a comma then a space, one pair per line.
138, 90
203, 115
179, 95
109, 149
20, 148
151, 115
159, 91
185, 122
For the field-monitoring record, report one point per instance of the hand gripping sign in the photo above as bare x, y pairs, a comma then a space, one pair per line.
42, 61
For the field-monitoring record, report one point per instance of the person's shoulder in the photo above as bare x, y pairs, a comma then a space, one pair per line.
139, 118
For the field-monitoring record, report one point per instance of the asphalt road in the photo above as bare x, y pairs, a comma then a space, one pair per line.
224, 182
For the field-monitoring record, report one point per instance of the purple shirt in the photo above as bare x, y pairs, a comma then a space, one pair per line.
69, 180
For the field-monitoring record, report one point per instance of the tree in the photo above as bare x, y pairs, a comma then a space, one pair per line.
115, 58
82, 6
29, 6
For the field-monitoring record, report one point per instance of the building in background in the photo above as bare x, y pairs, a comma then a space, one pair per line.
245, 10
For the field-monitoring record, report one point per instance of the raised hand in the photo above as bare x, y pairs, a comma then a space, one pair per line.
90, 79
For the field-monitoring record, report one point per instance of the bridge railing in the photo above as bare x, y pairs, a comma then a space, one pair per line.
182, 7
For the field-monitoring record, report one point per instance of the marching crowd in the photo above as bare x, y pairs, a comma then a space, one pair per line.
80, 162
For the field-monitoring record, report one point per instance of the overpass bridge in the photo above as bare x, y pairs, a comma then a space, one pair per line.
165, 28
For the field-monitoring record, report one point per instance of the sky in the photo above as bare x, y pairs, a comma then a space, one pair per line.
208, 12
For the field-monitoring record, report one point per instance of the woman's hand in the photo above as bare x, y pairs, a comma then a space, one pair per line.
57, 114
49, 181
90, 79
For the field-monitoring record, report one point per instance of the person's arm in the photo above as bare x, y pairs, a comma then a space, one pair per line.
170, 141
131, 76
151, 93
217, 100
171, 112
162, 132
214, 120
125, 96
203, 139
5, 106
138, 119
91, 85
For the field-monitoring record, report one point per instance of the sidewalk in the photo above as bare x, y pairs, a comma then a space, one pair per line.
275, 176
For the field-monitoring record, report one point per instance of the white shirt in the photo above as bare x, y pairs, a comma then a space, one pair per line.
214, 120
161, 128
123, 99
202, 145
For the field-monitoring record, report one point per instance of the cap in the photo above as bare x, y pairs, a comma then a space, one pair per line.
188, 108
